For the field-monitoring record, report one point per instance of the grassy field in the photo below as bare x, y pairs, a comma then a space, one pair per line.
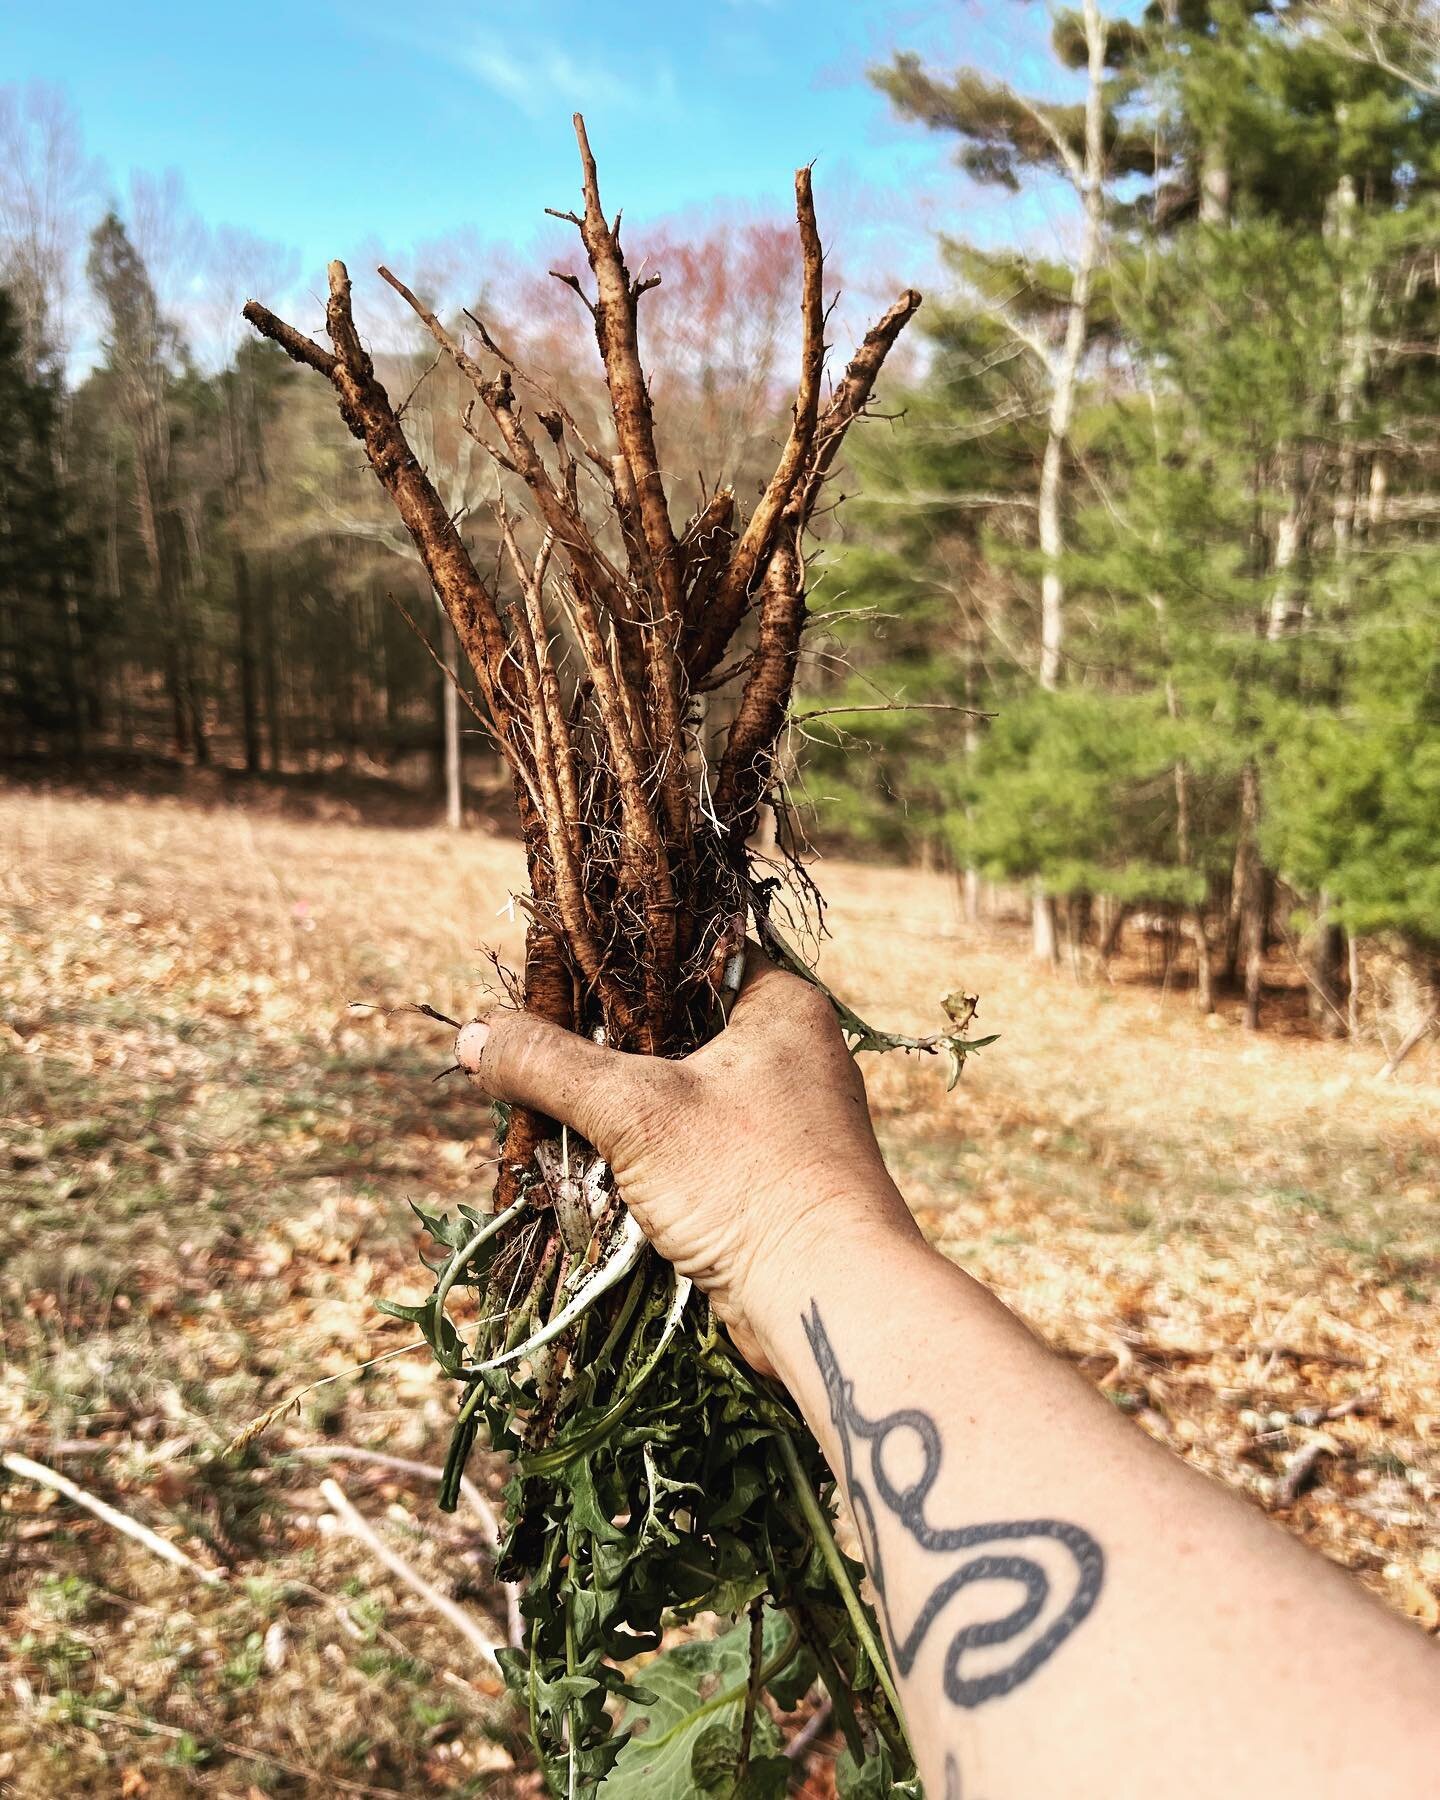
205, 1160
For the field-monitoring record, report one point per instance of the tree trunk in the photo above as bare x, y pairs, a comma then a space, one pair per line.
1357, 330
157, 561
249, 660
1251, 919
1052, 545
1044, 938
1326, 985
1246, 855
1254, 938
270, 670
1215, 182
171, 536
1113, 929
1090, 181
1204, 973
1286, 600
970, 740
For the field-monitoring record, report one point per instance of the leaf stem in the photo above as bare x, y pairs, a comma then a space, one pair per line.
451, 1272
835, 1562
752, 1690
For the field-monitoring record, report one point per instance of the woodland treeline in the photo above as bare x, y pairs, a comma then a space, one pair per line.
1164, 509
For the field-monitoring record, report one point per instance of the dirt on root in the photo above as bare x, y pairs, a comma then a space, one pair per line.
206, 1158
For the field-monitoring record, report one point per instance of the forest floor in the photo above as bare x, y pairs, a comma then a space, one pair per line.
205, 1160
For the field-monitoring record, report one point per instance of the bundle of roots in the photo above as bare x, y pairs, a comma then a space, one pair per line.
655, 1475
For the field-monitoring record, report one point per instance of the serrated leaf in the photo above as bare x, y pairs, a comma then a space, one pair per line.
436, 1329
728, 1598
555, 1696
452, 1233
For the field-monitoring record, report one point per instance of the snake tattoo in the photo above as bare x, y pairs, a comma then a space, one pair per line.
907, 1505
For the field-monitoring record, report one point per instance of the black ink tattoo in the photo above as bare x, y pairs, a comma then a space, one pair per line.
952, 1778
908, 1506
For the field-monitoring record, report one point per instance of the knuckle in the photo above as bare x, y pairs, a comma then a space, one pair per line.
808, 1012
674, 1084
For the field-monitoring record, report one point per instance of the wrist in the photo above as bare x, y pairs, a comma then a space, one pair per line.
825, 1234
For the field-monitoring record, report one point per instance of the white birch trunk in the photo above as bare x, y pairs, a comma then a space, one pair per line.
1066, 368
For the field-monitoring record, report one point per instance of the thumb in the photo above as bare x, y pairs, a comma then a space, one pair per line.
529, 1062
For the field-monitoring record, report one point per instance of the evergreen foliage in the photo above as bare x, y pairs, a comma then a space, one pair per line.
1251, 596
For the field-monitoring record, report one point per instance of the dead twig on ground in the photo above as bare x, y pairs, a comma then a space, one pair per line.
355, 1524
478, 1504
29, 1470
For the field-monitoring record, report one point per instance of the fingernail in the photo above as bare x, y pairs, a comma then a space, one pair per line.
470, 1045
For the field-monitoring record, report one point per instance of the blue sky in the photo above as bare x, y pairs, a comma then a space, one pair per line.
331, 127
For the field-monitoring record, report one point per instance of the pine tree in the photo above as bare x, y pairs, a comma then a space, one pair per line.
1250, 464
45, 599
143, 362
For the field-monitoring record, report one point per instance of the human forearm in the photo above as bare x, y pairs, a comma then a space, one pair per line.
1169, 1642
1177, 1638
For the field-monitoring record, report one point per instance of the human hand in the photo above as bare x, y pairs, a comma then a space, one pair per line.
743, 1162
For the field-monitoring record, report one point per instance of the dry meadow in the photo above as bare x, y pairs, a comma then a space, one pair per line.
206, 1157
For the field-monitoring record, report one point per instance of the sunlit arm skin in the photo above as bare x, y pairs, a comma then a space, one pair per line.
1073, 1613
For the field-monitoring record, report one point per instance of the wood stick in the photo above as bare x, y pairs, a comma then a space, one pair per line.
1407, 1044
1300, 1467
357, 1526
403, 1465
798, 1749
111, 1515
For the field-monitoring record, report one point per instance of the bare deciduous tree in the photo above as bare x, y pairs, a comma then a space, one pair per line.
48, 186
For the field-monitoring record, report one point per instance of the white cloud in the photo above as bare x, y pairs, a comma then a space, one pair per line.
542, 77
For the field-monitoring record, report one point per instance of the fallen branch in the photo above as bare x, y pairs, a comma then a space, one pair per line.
1342, 1409
111, 1515
357, 1526
478, 1504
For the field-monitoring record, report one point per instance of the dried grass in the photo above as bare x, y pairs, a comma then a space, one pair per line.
206, 1163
